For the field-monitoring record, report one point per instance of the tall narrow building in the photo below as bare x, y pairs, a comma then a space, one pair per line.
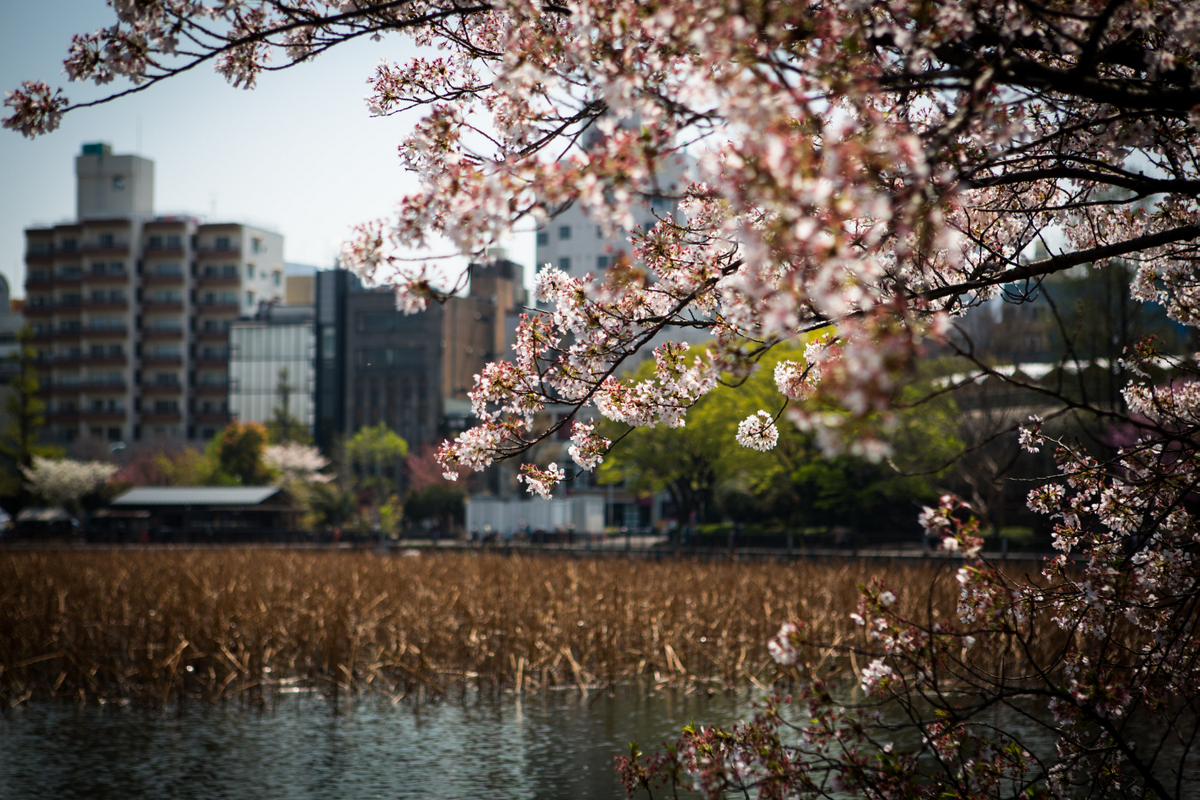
131, 311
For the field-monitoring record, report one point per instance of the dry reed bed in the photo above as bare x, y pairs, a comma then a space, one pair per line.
163, 625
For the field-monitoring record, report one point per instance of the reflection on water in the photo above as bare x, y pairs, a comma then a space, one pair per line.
550, 745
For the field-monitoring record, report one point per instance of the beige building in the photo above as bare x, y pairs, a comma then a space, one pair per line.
130, 312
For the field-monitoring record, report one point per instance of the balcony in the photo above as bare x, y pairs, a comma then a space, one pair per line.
108, 359
41, 310
107, 415
60, 388
106, 278
161, 360
232, 250
218, 307
43, 279
63, 415
67, 334
210, 389
100, 247
209, 417
210, 360
162, 304
108, 304
60, 360
156, 279
165, 249
75, 275
100, 331
217, 281
162, 389
162, 334
103, 385
40, 255
161, 416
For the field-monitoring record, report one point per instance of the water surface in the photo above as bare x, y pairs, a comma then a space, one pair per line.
548, 745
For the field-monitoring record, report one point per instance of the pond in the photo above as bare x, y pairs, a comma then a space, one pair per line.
547, 745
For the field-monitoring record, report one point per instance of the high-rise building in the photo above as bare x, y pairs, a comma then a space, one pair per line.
411, 372
130, 311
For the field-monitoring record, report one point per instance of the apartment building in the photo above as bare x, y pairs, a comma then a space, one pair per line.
130, 311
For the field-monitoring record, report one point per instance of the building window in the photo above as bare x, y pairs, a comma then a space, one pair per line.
118, 183
174, 242
155, 243
564, 231
250, 271
106, 240
376, 321
68, 244
116, 268
167, 269
166, 379
564, 264
249, 298
229, 271
166, 406
222, 243
228, 298
277, 278
543, 238
599, 232
256, 245
601, 262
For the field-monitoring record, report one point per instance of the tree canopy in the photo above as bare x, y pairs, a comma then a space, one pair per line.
873, 170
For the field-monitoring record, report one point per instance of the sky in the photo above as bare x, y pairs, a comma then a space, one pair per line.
298, 154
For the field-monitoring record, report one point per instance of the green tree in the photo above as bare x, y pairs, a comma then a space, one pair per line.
371, 451
25, 419
704, 470
239, 453
690, 463
443, 502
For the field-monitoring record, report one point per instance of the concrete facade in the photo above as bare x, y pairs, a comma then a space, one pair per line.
131, 312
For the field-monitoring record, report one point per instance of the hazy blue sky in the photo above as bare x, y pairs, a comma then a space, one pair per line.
298, 154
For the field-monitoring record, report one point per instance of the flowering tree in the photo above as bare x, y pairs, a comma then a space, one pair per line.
64, 483
870, 169
296, 463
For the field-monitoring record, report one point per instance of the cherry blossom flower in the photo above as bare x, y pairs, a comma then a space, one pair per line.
758, 432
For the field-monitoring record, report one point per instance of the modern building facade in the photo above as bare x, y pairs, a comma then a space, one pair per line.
275, 349
412, 372
131, 311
